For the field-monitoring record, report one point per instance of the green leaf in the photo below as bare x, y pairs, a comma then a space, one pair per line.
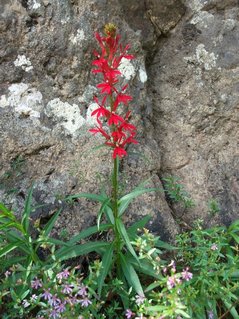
235, 237
155, 309
102, 210
232, 309
121, 228
181, 312
95, 197
131, 275
6, 212
161, 244
132, 230
88, 232
109, 215
126, 199
144, 267
14, 236
5, 264
107, 261
48, 227
27, 211
153, 286
6, 225
78, 250
52, 241
6, 249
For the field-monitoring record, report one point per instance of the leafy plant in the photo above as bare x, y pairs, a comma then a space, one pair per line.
213, 207
16, 235
176, 191
214, 258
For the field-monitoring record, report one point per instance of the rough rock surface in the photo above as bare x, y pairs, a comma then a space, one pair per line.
194, 80
186, 105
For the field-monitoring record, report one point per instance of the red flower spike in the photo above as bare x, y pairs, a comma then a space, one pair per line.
107, 62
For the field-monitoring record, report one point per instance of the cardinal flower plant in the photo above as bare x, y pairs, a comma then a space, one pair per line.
112, 118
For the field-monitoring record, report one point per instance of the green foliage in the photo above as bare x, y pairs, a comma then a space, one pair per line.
213, 207
197, 278
214, 260
176, 191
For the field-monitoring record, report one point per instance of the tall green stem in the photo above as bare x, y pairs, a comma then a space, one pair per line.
115, 189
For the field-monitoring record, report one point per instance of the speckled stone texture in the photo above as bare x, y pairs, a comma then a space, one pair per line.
185, 85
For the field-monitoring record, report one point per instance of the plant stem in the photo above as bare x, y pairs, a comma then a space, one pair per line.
115, 188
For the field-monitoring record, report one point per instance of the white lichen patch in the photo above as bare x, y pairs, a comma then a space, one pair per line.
203, 58
203, 19
78, 37
68, 116
23, 62
34, 4
196, 5
25, 100
142, 75
127, 69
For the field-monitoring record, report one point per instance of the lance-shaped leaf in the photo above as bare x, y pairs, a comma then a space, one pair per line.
125, 237
131, 275
79, 250
107, 262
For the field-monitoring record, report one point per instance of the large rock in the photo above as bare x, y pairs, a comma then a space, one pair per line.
194, 81
46, 101
185, 106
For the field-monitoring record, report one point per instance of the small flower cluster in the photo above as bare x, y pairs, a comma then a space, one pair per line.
66, 294
176, 278
119, 132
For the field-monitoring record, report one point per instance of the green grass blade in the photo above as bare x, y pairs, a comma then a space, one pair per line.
107, 262
27, 211
131, 275
125, 237
126, 199
79, 250
48, 227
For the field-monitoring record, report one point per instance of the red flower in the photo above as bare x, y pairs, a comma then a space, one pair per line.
122, 98
118, 151
100, 130
105, 88
101, 111
115, 119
